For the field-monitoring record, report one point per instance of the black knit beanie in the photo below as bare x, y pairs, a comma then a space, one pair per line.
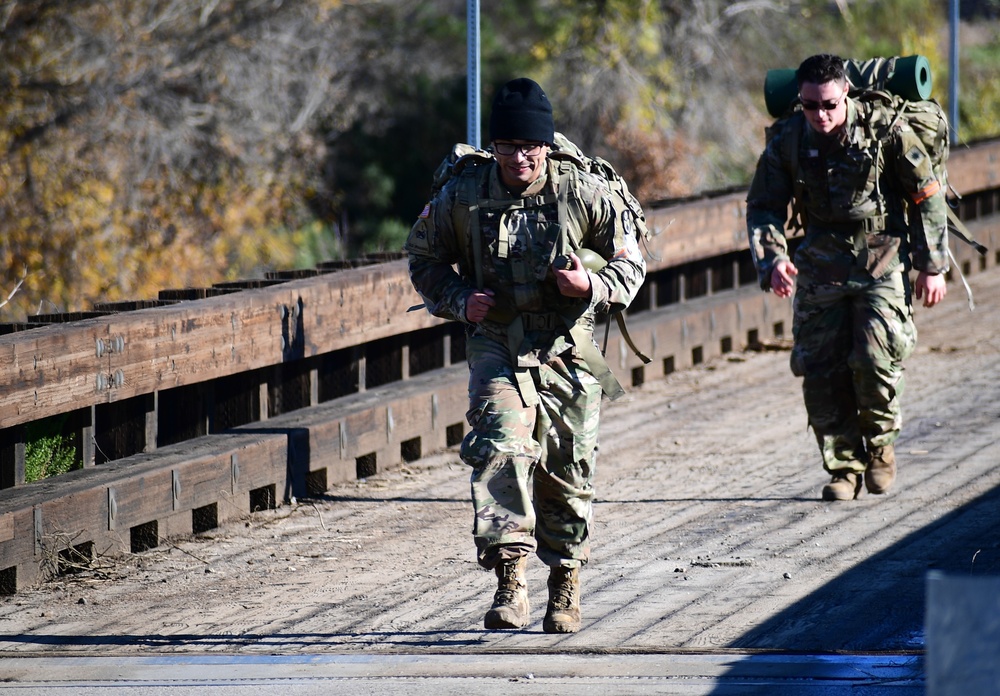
521, 111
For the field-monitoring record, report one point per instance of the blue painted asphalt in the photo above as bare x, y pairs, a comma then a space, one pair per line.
487, 674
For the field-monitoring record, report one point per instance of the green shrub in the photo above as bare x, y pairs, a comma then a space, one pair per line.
389, 235
48, 451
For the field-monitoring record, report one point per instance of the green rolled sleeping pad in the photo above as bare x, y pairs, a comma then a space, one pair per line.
907, 76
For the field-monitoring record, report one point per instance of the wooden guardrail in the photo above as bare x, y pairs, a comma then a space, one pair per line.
209, 403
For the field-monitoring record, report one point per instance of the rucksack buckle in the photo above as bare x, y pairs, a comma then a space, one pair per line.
874, 224
540, 321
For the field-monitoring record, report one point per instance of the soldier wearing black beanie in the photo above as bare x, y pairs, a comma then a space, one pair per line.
481, 252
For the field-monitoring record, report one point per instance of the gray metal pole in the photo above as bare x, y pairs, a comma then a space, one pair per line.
953, 7
472, 81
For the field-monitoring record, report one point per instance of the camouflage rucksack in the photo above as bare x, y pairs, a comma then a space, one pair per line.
626, 204
872, 80
461, 156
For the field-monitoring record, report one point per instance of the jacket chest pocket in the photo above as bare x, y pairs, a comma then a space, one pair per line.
519, 242
852, 181
847, 182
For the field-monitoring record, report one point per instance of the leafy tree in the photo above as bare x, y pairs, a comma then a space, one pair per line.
154, 144
979, 100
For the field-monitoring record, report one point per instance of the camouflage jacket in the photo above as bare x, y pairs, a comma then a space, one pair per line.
869, 198
520, 239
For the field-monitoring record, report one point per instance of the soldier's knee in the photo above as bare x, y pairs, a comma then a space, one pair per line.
475, 451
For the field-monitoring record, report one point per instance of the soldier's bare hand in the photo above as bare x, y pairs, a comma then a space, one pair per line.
783, 278
573, 281
932, 288
478, 304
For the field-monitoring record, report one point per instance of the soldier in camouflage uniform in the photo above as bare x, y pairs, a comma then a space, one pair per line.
535, 374
871, 207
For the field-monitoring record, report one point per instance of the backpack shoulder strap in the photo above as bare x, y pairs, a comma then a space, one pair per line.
624, 201
465, 213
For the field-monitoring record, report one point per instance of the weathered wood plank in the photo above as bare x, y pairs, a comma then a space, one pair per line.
18, 541
142, 498
102, 504
47, 370
6, 527
53, 369
975, 167
697, 229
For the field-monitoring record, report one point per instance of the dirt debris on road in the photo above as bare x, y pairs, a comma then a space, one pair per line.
709, 534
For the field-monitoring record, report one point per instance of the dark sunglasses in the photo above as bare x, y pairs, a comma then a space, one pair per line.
508, 149
825, 105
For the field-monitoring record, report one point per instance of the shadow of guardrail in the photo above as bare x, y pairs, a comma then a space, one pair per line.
877, 607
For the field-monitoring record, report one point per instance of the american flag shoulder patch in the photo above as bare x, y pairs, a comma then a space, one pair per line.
425, 213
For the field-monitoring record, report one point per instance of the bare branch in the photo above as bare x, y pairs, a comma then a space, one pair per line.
16, 287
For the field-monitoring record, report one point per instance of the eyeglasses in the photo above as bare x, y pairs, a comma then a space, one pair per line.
508, 149
825, 105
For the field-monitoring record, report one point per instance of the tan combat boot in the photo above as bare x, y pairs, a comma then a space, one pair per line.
845, 485
563, 613
510, 603
881, 471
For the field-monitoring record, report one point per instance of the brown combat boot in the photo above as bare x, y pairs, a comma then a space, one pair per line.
881, 471
563, 613
845, 485
510, 603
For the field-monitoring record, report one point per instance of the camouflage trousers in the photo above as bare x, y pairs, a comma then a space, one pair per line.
532, 467
850, 343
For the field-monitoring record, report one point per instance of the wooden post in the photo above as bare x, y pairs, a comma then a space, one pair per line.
152, 421
12, 456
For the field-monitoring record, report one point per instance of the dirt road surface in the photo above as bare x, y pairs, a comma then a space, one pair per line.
709, 537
